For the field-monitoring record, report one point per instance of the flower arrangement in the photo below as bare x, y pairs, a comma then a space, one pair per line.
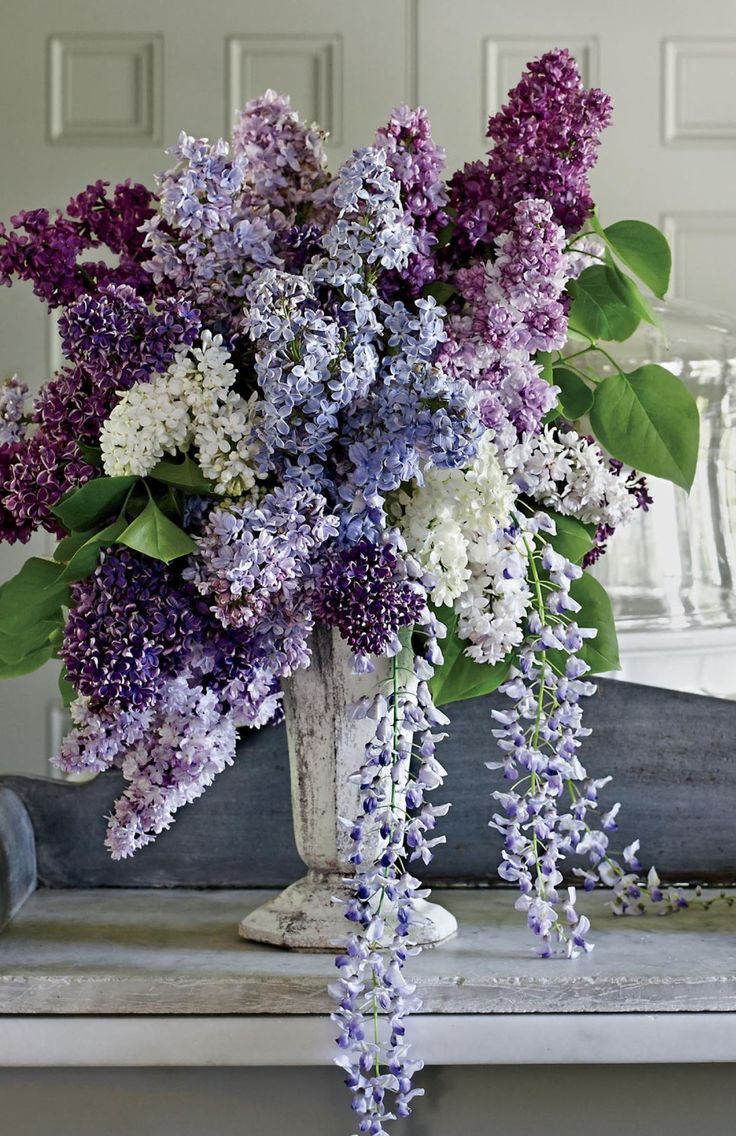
367, 400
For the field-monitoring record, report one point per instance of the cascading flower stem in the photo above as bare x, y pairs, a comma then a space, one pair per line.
389, 833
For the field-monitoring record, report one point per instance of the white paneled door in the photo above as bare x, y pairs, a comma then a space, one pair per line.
92, 90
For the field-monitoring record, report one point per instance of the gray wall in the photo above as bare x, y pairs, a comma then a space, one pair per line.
556, 1101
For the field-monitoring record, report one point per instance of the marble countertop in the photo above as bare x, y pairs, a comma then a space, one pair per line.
177, 952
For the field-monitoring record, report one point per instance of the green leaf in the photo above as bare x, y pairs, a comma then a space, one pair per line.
96, 501
544, 358
631, 295
66, 690
439, 290
644, 250
13, 648
153, 534
84, 560
649, 420
459, 677
573, 539
66, 548
597, 308
35, 594
30, 662
185, 474
576, 398
91, 454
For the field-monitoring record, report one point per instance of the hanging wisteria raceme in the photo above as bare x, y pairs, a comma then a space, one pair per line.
359, 401
539, 737
393, 829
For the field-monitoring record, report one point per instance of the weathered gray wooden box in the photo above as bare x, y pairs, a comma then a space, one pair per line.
671, 755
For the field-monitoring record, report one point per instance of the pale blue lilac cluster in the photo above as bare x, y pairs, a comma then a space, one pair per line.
417, 163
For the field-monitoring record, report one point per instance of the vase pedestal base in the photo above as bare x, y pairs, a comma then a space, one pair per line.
305, 918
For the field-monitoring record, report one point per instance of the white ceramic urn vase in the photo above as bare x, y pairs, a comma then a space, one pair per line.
325, 746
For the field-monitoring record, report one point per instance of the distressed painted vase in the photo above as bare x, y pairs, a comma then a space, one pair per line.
325, 747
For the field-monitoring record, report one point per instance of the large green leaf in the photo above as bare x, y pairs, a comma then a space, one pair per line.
84, 560
573, 539
153, 534
185, 474
601, 653
28, 663
459, 677
35, 594
631, 295
576, 398
649, 420
598, 310
644, 250
14, 648
82, 508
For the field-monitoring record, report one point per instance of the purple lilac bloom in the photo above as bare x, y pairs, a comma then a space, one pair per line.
417, 163
114, 340
11, 529
545, 141
256, 562
514, 306
206, 242
130, 627
367, 594
189, 740
285, 160
46, 251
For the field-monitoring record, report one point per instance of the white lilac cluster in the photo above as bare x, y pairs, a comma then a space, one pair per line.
192, 404
394, 828
567, 472
13, 395
458, 525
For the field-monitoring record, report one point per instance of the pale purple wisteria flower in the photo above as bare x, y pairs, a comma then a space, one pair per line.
393, 829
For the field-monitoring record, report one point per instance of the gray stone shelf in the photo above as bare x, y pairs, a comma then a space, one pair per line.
176, 952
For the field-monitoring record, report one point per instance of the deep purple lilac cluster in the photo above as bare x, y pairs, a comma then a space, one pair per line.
46, 250
113, 339
366, 594
545, 141
130, 627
